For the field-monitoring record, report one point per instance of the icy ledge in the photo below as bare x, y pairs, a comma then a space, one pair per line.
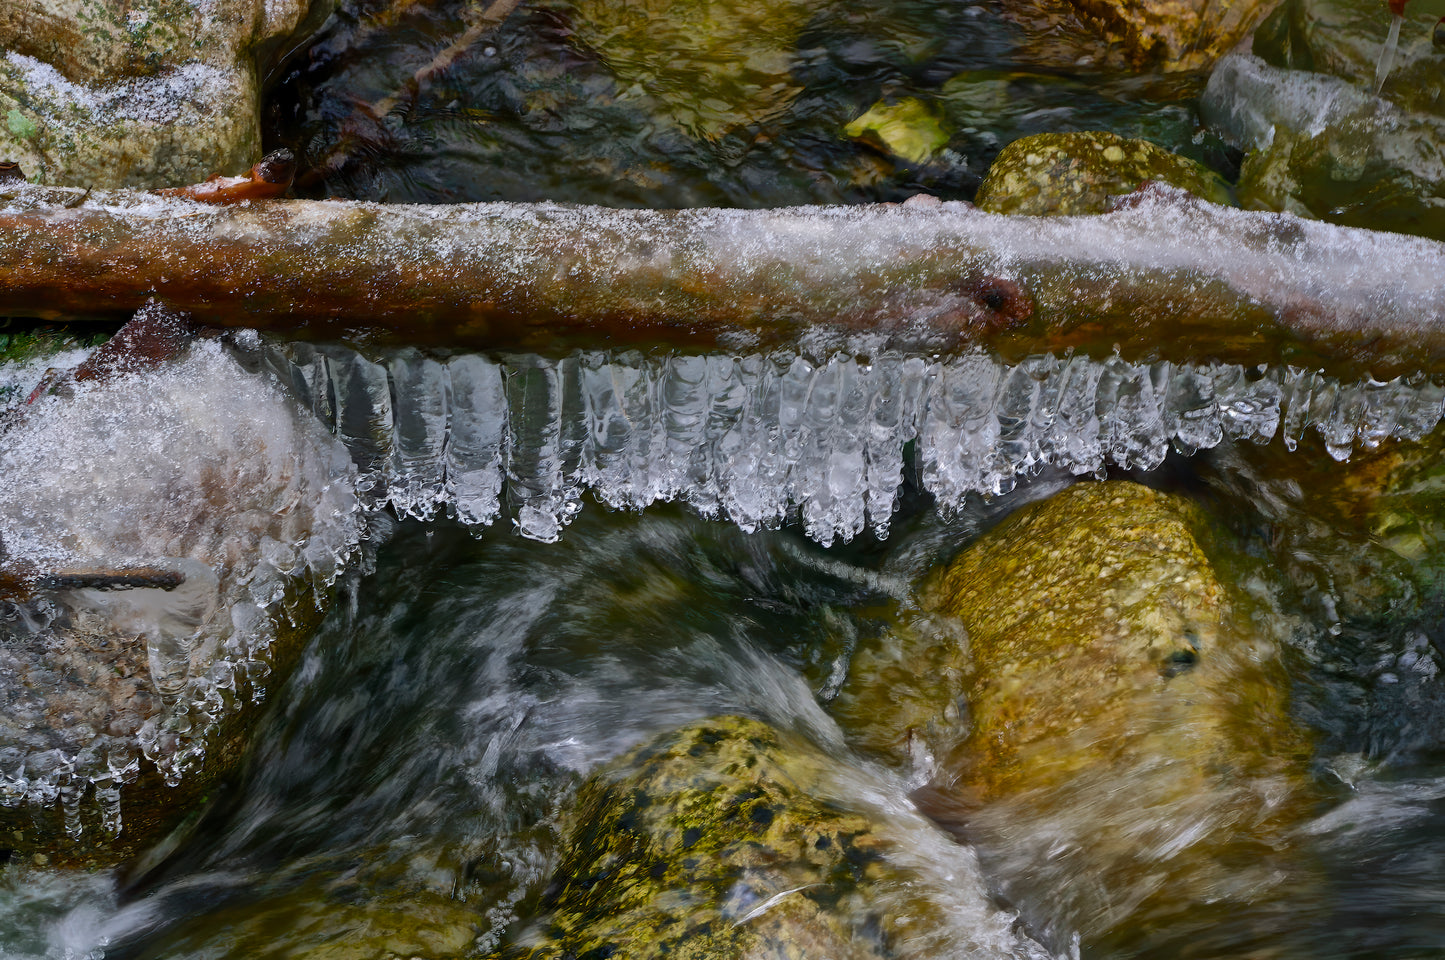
764, 439
196, 471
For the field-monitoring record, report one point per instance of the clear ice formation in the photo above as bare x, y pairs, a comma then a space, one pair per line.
205, 468
197, 467
767, 439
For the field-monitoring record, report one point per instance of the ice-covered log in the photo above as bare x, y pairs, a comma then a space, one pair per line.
1163, 277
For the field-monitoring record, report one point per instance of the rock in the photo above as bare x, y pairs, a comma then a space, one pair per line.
910, 129
207, 475
143, 93
1092, 707
1343, 38
1162, 35
1078, 173
368, 912
717, 842
1325, 147
713, 67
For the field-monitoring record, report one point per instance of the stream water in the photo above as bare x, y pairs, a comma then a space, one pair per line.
404, 789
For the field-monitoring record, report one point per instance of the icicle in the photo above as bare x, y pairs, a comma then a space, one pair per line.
1387, 53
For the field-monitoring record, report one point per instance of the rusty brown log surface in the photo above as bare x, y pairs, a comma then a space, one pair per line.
1164, 277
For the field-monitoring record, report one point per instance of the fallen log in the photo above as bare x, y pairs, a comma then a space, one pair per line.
1164, 276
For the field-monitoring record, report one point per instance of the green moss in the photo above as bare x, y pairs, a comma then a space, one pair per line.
675, 849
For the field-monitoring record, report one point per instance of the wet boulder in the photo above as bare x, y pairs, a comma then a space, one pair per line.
1158, 35
1319, 142
1079, 173
1086, 700
139, 93
170, 528
1343, 38
723, 840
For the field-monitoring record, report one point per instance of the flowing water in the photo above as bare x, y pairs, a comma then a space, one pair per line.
407, 782
543, 562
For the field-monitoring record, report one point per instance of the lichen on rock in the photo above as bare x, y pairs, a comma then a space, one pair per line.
140, 93
1078, 173
718, 841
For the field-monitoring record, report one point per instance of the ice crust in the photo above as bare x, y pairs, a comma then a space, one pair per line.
767, 439
197, 467
156, 100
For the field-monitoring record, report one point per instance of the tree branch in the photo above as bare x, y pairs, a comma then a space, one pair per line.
1165, 276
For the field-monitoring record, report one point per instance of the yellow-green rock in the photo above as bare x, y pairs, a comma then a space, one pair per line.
372, 911
910, 129
713, 66
1086, 695
712, 842
1078, 173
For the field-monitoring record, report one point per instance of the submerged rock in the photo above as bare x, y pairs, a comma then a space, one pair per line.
719, 841
713, 66
910, 129
1342, 38
164, 530
1079, 173
139, 93
1088, 703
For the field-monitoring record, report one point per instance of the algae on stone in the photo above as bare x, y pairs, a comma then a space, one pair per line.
910, 129
1078, 173
712, 843
1100, 718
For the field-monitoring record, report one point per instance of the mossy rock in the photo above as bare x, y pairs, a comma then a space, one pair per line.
712, 842
712, 66
139, 93
1093, 709
910, 129
373, 910
1079, 173
1154, 35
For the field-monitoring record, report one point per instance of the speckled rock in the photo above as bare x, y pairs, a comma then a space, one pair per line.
1166, 35
1078, 173
710, 843
140, 93
712, 66
1089, 703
